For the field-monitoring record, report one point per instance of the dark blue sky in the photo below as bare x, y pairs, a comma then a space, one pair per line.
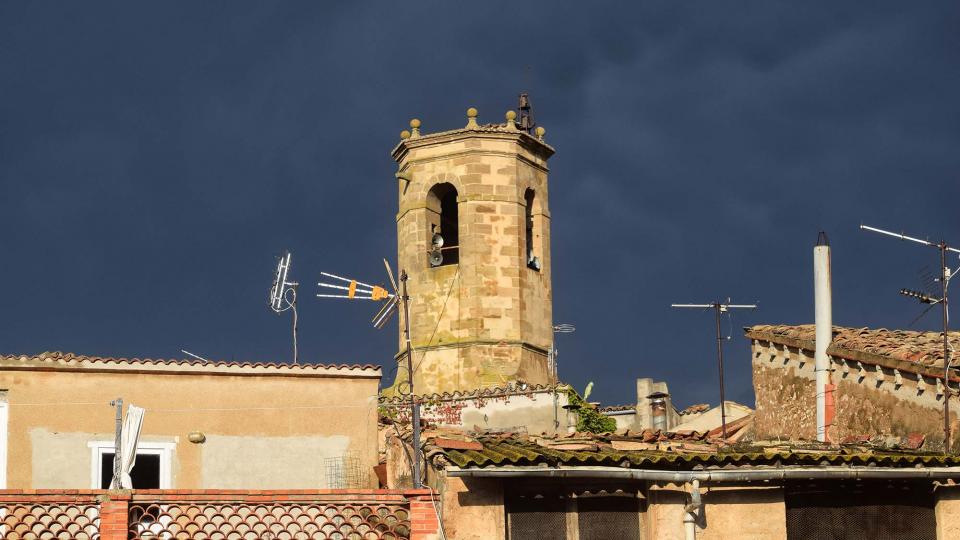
155, 158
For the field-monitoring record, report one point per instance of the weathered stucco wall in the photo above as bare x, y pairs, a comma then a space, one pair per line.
948, 512
870, 401
262, 431
743, 513
535, 411
487, 320
473, 509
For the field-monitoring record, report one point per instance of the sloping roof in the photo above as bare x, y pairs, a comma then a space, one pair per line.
876, 346
670, 452
478, 393
68, 361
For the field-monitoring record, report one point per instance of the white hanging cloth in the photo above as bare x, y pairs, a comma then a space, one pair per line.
129, 438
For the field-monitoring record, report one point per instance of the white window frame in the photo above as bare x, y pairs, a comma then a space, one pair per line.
162, 449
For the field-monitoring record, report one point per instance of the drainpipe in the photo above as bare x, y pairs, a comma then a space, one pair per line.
690, 511
824, 334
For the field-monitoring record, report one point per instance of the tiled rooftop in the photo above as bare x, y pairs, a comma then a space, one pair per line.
480, 393
77, 361
922, 348
669, 451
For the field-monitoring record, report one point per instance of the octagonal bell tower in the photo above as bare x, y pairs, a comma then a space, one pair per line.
473, 235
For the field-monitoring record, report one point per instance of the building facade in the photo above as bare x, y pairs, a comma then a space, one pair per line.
884, 383
473, 235
207, 425
686, 487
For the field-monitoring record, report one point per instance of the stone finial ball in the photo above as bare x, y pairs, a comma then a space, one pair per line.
541, 131
471, 113
404, 134
415, 123
511, 115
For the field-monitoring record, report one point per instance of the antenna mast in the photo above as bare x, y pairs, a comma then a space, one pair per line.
719, 308
945, 275
283, 295
358, 290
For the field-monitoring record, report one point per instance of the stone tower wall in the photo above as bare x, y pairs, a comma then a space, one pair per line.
487, 320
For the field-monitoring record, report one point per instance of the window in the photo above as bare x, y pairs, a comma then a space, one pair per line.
532, 232
443, 225
151, 470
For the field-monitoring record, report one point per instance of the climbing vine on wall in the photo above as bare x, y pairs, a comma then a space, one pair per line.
590, 419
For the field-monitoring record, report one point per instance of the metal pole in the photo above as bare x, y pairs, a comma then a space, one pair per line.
946, 348
414, 407
118, 427
293, 305
723, 408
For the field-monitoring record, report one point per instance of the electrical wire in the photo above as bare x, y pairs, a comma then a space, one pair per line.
433, 499
443, 310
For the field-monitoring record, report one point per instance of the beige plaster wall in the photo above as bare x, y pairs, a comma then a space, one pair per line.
253, 425
664, 515
743, 513
473, 509
487, 320
728, 513
948, 512
535, 412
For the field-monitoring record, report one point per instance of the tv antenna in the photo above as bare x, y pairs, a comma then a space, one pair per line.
283, 295
358, 290
719, 308
562, 328
926, 298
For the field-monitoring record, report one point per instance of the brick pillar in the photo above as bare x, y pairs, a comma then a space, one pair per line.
114, 510
423, 518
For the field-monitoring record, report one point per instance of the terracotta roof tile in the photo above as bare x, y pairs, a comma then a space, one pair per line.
79, 360
674, 452
479, 393
921, 348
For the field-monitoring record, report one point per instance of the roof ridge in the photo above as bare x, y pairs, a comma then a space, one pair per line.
69, 357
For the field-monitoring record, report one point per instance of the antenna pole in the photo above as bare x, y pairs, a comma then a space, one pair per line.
719, 308
414, 407
944, 276
293, 306
944, 282
723, 407
118, 428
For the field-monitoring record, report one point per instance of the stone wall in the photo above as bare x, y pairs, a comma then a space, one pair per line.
870, 400
487, 320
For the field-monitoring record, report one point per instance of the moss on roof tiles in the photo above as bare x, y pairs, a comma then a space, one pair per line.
521, 452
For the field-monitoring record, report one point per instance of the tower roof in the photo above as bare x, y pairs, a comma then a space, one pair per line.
414, 139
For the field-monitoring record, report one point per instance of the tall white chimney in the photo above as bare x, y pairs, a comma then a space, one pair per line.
823, 306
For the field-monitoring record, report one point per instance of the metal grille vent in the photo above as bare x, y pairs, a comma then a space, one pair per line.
537, 518
862, 511
603, 518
